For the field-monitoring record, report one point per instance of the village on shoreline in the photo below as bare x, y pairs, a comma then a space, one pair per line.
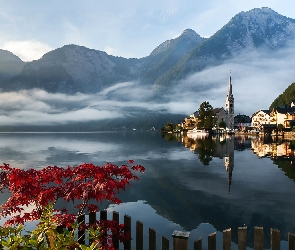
279, 121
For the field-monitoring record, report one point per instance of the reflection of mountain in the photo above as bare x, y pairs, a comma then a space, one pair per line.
287, 165
176, 184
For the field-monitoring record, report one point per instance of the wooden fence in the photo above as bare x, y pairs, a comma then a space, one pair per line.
181, 239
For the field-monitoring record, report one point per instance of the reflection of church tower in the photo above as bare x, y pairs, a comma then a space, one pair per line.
229, 160
229, 106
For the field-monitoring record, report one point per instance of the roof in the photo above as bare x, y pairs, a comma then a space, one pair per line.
218, 110
269, 125
285, 110
242, 119
266, 111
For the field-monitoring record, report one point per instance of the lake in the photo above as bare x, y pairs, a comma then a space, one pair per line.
190, 184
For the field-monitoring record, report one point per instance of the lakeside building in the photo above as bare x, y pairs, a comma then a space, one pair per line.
261, 117
242, 122
284, 115
190, 122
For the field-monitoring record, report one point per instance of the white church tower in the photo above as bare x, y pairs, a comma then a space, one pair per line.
229, 105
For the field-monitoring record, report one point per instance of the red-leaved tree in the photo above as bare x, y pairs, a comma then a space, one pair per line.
85, 184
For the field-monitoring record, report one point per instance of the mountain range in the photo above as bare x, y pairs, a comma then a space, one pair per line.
75, 69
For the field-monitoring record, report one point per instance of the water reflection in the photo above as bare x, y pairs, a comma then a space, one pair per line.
220, 146
191, 182
273, 147
281, 152
259, 188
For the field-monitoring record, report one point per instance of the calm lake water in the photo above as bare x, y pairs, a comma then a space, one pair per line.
196, 185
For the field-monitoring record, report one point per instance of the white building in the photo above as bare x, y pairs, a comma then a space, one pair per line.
262, 117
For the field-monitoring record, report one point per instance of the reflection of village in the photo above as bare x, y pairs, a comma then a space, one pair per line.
216, 146
273, 148
223, 146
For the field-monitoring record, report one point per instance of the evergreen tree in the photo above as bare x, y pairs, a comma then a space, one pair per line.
285, 98
206, 116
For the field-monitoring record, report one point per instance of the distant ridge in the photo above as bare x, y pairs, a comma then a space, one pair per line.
72, 68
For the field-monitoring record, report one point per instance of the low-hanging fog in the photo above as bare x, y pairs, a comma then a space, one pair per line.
257, 79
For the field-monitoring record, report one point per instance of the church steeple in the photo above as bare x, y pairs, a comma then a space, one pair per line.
230, 92
229, 105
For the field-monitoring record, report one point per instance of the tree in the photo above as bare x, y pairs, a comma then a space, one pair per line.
222, 124
285, 98
86, 183
206, 116
168, 127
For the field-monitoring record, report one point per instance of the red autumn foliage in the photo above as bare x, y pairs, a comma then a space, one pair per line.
86, 184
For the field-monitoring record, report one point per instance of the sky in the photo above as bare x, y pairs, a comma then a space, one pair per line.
132, 29
128, 28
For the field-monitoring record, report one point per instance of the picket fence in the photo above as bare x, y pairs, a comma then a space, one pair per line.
180, 239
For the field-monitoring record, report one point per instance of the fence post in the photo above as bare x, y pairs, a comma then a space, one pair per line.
242, 238
275, 236
212, 241
198, 244
92, 218
227, 239
258, 238
165, 243
116, 240
291, 241
139, 235
104, 215
127, 228
180, 240
152, 239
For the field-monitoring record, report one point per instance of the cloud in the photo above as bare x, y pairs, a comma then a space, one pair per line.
27, 50
37, 107
116, 87
257, 79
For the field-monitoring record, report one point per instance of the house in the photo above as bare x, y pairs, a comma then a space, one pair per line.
270, 119
242, 122
262, 117
284, 115
190, 122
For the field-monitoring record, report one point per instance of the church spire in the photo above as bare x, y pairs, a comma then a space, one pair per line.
229, 105
229, 85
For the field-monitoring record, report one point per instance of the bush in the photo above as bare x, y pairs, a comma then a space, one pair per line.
41, 189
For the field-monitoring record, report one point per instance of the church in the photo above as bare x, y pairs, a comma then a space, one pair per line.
222, 114
226, 114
